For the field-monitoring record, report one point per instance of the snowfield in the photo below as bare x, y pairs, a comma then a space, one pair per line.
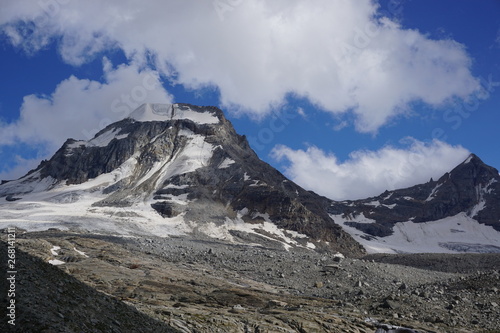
459, 233
162, 112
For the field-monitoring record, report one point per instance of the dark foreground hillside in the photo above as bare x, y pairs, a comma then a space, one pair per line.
49, 300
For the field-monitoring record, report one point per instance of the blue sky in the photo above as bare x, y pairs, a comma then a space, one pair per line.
347, 98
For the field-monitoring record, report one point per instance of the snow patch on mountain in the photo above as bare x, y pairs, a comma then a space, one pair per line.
480, 192
263, 229
177, 187
105, 138
388, 196
360, 218
436, 236
433, 192
468, 159
56, 262
54, 250
164, 112
477, 208
197, 117
226, 163
80, 252
196, 154
152, 112
27, 184
101, 140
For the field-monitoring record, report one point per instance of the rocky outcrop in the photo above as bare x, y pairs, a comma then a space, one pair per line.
78, 161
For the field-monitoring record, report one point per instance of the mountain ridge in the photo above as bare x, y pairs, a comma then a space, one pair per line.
180, 168
179, 174
469, 193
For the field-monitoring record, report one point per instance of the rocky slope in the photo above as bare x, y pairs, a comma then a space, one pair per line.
49, 300
196, 285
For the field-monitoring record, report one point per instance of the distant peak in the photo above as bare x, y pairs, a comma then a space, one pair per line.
164, 112
472, 158
473, 162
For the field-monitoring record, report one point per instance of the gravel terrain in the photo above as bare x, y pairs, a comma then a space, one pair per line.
202, 285
48, 300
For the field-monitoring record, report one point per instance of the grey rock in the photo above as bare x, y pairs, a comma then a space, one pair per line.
459, 190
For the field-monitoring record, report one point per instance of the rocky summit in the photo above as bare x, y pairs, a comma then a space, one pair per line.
167, 221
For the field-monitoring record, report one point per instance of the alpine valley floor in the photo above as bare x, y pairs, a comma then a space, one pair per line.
101, 283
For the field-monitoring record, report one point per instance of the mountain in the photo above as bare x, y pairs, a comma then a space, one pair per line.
458, 212
182, 169
169, 170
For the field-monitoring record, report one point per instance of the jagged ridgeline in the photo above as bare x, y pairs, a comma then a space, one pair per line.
460, 212
172, 169
183, 169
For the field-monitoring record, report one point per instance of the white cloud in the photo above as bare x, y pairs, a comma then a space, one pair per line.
369, 173
79, 108
337, 53
22, 165
301, 112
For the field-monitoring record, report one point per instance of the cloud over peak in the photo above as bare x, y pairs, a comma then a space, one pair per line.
342, 55
79, 108
369, 173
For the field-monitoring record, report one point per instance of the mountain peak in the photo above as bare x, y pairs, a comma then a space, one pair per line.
472, 158
164, 112
152, 112
173, 169
474, 167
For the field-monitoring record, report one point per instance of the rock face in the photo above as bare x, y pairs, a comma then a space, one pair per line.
187, 163
471, 191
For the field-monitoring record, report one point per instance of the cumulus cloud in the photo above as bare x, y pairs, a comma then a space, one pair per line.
79, 108
344, 56
369, 173
19, 169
